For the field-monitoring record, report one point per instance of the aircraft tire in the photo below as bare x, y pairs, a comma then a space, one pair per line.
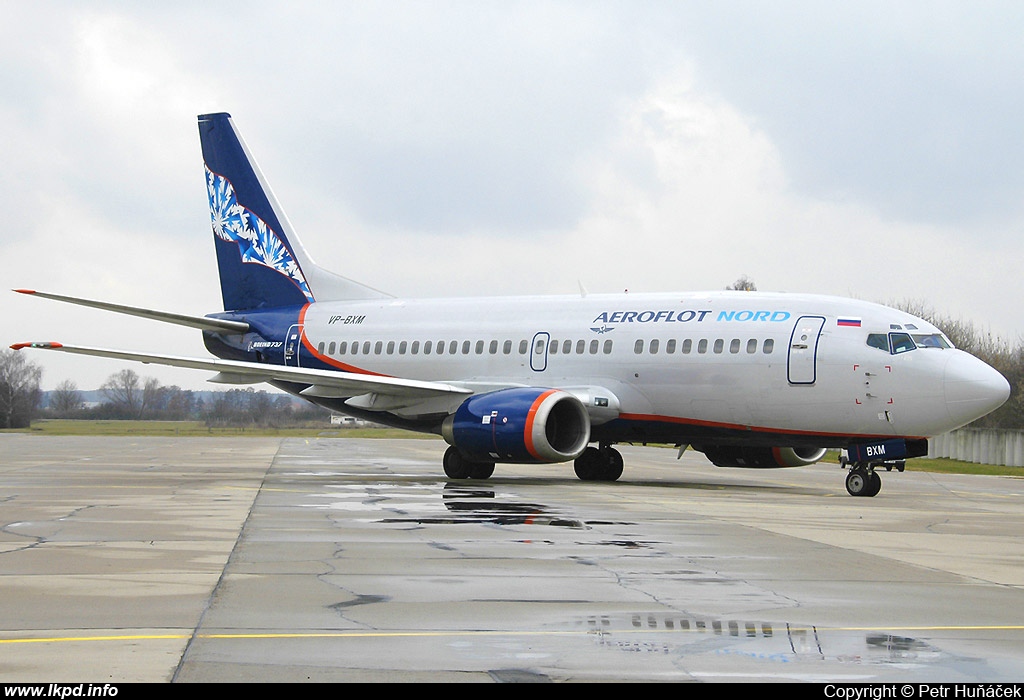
613, 465
481, 470
875, 485
588, 465
456, 466
856, 481
598, 465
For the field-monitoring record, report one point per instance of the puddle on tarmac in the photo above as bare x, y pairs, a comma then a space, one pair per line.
432, 504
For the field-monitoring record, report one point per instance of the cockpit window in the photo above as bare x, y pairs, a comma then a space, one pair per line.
901, 342
931, 340
896, 343
879, 340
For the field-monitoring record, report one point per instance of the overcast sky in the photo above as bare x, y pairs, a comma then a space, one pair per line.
868, 149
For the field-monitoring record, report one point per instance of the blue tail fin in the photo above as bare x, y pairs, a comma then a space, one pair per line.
261, 261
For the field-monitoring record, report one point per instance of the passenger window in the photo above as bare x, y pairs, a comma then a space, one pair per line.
507, 347
702, 346
608, 347
687, 346
593, 346
566, 347
416, 347
342, 347
670, 347
553, 348
453, 347
493, 347
580, 344
378, 347
734, 346
769, 347
538, 349
719, 346
751, 346
479, 347
638, 346
523, 347
391, 347
320, 348
654, 347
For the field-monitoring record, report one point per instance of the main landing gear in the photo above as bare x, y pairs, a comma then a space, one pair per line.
595, 464
458, 467
599, 464
863, 480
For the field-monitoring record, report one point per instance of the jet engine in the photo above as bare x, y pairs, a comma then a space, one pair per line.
762, 457
519, 425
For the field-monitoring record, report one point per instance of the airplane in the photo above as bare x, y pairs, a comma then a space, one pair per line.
751, 379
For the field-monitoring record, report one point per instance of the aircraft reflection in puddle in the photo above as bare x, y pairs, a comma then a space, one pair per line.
473, 504
768, 641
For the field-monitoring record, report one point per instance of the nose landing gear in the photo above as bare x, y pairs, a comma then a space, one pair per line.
863, 481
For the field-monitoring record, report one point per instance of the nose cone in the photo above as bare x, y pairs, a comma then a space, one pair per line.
972, 388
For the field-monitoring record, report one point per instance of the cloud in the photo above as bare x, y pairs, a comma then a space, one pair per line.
452, 149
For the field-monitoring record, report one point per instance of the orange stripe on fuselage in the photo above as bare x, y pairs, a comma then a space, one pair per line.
326, 358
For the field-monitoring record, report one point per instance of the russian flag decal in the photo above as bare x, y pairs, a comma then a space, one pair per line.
848, 322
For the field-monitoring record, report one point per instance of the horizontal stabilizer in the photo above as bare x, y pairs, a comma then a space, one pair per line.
345, 383
202, 322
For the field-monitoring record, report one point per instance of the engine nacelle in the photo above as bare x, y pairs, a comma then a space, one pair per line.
763, 457
519, 425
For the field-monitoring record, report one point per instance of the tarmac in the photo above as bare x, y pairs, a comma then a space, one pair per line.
145, 559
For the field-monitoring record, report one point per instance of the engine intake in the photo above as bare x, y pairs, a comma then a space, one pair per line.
519, 425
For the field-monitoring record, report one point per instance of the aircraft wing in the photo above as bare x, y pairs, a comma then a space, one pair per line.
322, 382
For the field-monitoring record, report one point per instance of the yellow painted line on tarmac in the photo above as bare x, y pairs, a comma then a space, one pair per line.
363, 634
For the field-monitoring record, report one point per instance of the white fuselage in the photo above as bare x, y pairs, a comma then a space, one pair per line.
791, 363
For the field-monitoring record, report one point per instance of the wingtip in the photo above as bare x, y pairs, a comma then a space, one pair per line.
43, 346
24, 291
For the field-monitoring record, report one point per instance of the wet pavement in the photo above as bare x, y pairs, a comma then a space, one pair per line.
250, 559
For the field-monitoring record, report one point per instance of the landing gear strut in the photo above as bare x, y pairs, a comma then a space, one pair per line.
599, 464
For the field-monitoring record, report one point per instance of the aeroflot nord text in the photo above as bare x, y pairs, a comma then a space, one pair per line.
689, 315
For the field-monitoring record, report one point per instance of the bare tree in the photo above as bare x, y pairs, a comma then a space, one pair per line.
19, 389
743, 284
66, 399
124, 391
153, 396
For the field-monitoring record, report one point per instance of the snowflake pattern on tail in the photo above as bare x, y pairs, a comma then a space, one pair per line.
257, 242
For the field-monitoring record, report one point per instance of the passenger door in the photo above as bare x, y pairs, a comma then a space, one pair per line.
801, 366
